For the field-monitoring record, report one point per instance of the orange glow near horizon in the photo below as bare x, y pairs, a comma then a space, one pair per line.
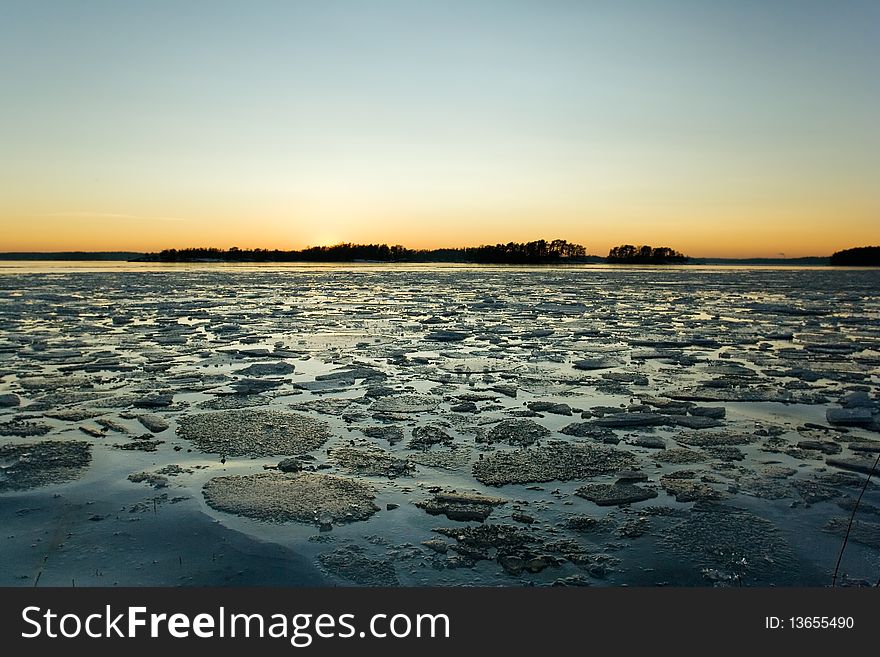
720, 130
719, 234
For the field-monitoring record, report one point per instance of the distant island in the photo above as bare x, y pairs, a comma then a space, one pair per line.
515, 253
863, 256
512, 253
628, 254
70, 255
537, 252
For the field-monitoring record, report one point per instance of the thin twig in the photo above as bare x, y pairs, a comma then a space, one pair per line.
852, 517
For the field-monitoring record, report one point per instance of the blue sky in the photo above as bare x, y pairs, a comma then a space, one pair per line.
720, 127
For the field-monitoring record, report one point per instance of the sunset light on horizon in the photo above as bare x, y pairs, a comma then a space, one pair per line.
722, 129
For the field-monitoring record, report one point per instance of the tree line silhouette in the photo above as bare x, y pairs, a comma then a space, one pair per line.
862, 256
538, 251
535, 252
647, 255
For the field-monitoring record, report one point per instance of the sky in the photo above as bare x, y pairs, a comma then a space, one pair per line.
723, 128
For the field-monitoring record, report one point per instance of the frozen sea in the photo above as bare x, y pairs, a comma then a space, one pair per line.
437, 425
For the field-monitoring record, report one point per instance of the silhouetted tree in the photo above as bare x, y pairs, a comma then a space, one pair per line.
645, 255
536, 252
862, 256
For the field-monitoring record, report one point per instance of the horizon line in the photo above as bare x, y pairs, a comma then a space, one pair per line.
313, 246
